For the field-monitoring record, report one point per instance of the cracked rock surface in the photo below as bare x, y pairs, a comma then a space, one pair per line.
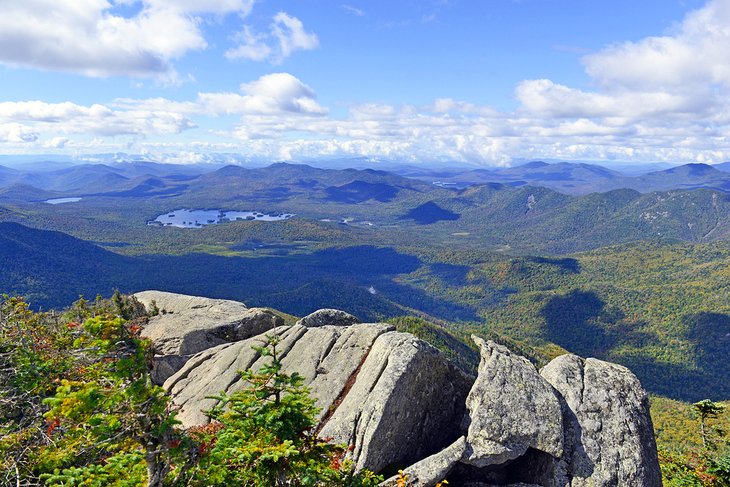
390, 395
187, 325
511, 408
609, 437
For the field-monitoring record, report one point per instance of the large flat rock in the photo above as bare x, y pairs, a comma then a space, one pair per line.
187, 325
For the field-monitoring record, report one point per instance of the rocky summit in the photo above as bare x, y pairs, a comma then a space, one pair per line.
398, 403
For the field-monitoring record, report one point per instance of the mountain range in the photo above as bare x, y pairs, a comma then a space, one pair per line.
365, 207
581, 178
564, 177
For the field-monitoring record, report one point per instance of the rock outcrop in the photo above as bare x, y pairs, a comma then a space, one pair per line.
511, 408
186, 325
577, 423
513, 428
397, 401
433, 469
403, 405
609, 437
328, 316
391, 396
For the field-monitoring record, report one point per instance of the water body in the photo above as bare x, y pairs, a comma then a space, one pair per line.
58, 201
183, 218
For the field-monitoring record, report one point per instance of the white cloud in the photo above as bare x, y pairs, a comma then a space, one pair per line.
286, 35
15, 132
95, 119
273, 94
655, 80
87, 37
663, 114
548, 99
56, 143
291, 34
243, 7
353, 10
252, 46
698, 54
660, 98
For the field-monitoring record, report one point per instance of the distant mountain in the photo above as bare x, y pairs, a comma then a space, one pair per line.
638, 169
143, 187
8, 176
134, 169
79, 179
565, 177
723, 166
283, 181
581, 178
74, 179
429, 213
36, 162
302, 183
25, 193
688, 176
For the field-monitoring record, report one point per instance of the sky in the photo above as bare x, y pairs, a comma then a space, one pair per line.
483, 82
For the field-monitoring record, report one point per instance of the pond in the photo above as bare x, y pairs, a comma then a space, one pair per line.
183, 218
58, 201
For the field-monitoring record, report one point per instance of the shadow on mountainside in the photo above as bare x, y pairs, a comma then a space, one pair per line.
580, 323
571, 322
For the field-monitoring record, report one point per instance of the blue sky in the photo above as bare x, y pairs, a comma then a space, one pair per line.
482, 82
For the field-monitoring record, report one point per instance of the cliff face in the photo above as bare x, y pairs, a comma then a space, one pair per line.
397, 401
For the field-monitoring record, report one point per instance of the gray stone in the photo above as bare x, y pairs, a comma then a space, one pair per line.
431, 470
187, 325
333, 317
511, 409
178, 303
609, 437
391, 396
406, 403
325, 357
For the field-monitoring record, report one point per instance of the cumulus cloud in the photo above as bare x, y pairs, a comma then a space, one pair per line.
56, 143
553, 100
290, 33
286, 35
698, 54
243, 7
660, 98
686, 74
95, 119
89, 38
15, 132
252, 46
275, 94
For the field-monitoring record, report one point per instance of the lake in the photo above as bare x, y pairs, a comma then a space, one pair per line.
183, 218
58, 201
